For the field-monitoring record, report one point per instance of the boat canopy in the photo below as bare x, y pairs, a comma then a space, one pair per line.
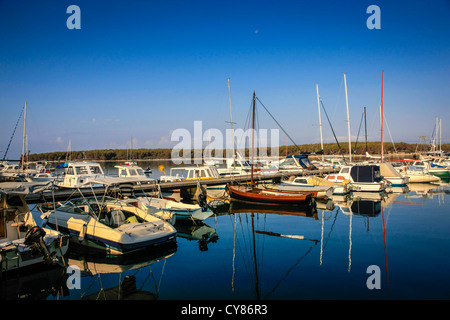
23, 188
387, 170
302, 160
365, 173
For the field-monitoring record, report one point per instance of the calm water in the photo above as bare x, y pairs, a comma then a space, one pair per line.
246, 254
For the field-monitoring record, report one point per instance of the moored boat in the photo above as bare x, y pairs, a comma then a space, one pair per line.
23, 243
269, 196
112, 225
301, 184
361, 178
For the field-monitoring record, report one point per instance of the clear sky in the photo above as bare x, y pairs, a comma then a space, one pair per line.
143, 68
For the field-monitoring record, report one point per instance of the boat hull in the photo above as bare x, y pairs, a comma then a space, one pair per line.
268, 196
17, 255
368, 187
90, 232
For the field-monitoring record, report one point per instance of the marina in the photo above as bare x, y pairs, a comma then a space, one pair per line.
256, 251
182, 153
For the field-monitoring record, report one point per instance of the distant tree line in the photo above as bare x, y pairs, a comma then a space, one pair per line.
374, 148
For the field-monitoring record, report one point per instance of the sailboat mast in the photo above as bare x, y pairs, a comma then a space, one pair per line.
382, 147
365, 126
320, 119
231, 123
253, 135
440, 137
348, 121
229, 98
24, 135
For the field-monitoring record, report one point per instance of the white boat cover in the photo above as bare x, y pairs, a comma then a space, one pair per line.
24, 188
387, 170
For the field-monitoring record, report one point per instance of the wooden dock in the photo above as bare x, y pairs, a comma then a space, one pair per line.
63, 194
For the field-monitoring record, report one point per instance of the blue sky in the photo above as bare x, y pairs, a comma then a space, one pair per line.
143, 68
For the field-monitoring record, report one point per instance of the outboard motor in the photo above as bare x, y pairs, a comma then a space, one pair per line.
35, 239
201, 199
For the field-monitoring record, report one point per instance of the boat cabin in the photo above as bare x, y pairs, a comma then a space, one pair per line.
191, 173
133, 171
78, 173
367, 173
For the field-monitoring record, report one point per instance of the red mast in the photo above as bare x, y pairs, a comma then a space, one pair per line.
382, 78
253, 136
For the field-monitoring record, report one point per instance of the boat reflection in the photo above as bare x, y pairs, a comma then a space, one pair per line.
36, 285
197, 231
251, 238
293, 210
127, 267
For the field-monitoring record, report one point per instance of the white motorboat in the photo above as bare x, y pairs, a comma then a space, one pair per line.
417, 174
24, 244
134, 173
389, 173
302, 184
77, 174
11, 170
111, 225
182, 211
364, 178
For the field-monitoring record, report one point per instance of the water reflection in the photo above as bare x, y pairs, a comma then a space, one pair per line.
35, 284
246, 251
115, 277
197, 231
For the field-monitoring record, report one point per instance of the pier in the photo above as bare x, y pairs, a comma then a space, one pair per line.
63, 194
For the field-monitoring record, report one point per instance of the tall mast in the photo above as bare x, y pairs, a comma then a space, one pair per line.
231, 122
348, 121
229, 98
382, 150
365, 126
320, 119
253, 136
24, 132
440, 136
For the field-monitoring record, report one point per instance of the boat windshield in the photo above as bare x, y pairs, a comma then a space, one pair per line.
81, 170
96, 170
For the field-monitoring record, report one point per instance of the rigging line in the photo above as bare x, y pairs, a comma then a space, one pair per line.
279, 124
338, 97
331, 229
247, 123
392, 140
245, 257
357, 137
334, 134
12, 136
289, 271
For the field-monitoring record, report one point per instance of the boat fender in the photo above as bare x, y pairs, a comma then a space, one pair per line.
82, 232
35, 239
201, 199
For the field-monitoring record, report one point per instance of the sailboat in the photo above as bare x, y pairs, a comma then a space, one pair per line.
251, 193
386, 169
